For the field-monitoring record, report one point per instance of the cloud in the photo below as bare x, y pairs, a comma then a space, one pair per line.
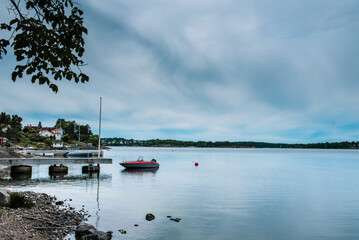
209, 70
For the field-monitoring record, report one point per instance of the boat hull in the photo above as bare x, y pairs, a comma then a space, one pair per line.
139, 165
79, 154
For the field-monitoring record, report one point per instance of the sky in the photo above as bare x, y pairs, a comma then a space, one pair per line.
229, 70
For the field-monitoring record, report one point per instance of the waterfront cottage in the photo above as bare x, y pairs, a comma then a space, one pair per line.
29, 127
3, 140
47, 132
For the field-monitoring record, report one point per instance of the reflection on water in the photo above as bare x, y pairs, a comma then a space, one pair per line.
244, 194
20, 176
55, 175
140, 171
25, 179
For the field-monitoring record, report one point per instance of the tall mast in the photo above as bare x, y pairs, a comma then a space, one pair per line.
99, 132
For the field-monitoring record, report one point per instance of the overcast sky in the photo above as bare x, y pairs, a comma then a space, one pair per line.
236, 70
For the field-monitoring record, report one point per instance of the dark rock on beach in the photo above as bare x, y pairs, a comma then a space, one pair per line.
88, 232
84, 229
150, 217
175, 219
4, 197
59, 203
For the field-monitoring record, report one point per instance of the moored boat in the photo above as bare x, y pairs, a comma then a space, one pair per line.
140, 163
80, 154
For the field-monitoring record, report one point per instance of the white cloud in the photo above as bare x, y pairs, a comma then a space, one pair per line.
228, 70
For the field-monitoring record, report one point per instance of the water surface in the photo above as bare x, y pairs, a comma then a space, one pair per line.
232, 194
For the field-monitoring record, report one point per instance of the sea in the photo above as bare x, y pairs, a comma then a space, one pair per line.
244, 194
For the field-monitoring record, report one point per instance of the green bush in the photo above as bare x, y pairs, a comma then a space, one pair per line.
19, 201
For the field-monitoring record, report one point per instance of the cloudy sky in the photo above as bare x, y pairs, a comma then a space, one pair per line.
236, 70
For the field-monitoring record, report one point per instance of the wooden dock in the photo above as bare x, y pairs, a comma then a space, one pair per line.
50, 161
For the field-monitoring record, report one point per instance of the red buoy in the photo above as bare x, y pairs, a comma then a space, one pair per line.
196, 164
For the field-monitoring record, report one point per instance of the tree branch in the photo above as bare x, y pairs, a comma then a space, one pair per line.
17, 9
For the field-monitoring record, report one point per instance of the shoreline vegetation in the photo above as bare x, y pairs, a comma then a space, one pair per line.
225, 144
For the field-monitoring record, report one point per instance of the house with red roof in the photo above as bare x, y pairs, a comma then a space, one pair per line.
3, 140
29, 127
51, 131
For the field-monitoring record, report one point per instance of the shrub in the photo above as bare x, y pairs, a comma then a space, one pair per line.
17, 200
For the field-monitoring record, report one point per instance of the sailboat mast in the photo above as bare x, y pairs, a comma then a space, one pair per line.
99, 132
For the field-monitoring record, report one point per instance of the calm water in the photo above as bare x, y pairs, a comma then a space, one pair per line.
232, 194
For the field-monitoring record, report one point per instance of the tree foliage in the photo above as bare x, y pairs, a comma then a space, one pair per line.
5, 118
94, 140
225, 144
47, 40
14, 121
74, 130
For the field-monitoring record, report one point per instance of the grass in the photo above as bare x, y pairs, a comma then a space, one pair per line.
17, 200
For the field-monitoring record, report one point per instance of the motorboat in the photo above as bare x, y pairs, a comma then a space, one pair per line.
44, 154
83, 154
140, 163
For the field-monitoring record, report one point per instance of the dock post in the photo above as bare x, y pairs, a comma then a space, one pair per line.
60, 171
91, 168
21, 172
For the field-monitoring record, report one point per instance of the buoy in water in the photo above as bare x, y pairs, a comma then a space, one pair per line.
196, 164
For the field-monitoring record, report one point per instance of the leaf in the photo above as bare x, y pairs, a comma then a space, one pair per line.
53, 87
33, 79
13, 76
14, 21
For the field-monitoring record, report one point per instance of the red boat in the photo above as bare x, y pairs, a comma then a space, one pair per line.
140, 164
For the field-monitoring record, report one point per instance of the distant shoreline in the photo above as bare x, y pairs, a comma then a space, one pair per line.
121, 142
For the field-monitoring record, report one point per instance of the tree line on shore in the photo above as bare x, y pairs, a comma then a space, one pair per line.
225, 144
17, 134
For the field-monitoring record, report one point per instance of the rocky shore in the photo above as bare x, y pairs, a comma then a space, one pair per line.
47, 219
4, 153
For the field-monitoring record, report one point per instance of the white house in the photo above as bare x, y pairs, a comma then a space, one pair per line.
47, 132
3, 140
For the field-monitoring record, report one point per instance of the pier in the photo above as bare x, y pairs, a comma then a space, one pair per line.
21, 168
53, 160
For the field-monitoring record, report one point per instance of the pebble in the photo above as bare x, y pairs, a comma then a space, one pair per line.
175, 219
44, 221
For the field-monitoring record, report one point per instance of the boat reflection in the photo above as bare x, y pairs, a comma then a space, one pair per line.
140, 171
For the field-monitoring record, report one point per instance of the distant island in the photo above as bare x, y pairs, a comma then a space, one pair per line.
224, 144
69, 134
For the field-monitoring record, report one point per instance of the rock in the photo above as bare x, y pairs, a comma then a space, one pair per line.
84, 229
175, 219
136, 225
88, 232
6, 190
4, 197
150, 217
104, 235
90, 237
59, 203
